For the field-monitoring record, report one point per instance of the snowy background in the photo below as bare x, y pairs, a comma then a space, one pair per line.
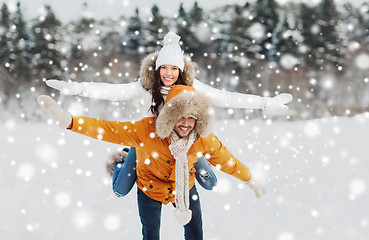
54, 185
71, 9
313, 159
316, 50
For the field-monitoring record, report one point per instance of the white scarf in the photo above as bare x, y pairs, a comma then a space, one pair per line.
179, 148
164, 91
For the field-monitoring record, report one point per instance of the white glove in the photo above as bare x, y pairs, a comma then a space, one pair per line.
67, 88
277, 103
256, 186
52, 108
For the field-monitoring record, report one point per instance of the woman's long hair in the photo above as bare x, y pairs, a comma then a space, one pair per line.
157, 98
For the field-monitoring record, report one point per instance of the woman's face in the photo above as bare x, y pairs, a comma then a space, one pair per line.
169, 74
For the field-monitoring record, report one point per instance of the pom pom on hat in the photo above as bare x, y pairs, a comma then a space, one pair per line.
171, 37
171, 53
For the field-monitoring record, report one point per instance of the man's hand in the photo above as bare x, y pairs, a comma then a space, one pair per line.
277, 103
52, 108
67, 88
258, 188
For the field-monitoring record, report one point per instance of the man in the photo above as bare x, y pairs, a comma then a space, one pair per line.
167, 148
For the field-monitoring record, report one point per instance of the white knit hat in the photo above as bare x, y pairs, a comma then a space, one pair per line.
171, 53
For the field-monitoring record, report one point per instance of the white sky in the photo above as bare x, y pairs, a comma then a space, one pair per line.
67, 10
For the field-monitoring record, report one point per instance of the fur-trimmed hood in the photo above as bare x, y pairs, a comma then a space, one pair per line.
147, 71
183, 101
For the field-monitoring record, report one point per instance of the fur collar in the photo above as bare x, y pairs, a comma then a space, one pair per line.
183, 104
148, 68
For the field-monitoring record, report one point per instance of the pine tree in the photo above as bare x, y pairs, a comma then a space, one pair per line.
83, 29
267, 15
134, 35
241, 43
287, 44
156, 30
188, 25
196, 14
47, 60
198, 29
76, 49
6, 48
329, 38
355, 22
365, 18
287, 36
84, 25
183, 28
310, 34
220, 43
7, 82
21, 43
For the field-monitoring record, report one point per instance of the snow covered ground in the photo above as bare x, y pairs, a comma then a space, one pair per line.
54, 186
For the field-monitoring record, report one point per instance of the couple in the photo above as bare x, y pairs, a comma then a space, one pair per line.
170, 145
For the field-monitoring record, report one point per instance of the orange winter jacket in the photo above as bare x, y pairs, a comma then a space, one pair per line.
155, 163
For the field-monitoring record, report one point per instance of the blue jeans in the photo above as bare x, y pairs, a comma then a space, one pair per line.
204, 174
150, 215
124, 176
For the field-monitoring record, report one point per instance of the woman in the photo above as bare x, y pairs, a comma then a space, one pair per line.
159, 72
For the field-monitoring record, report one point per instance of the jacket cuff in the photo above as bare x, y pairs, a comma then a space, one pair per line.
71, 124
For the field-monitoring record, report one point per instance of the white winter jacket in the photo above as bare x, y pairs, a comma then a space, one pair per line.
135, 90
141, 88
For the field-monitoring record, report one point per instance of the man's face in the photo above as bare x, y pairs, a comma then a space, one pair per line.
184, 126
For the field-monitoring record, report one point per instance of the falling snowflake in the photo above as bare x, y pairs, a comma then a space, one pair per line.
63, 199
257, 31
223, 186
112, 222
82, 218
288, 61
357, 187
362, 61
26, 171
286, 236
